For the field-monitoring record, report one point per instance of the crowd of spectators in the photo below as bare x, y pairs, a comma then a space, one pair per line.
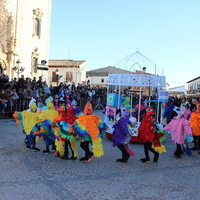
15, 95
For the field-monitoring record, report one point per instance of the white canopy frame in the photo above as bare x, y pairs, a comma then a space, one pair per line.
140, 80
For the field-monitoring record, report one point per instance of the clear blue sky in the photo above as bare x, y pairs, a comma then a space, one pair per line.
103, 32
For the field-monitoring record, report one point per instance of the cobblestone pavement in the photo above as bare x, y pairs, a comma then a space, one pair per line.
32, 175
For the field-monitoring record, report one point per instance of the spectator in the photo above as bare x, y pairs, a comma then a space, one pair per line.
3, 101
34, 92
39, 82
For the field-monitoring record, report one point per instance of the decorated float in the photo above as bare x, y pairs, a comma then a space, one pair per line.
115, 99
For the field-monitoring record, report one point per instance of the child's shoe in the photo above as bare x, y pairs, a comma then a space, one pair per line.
28, 147
46, 151
83, 159
65, 157
90, 158
156, 156
143, 160
121, 160
73, 158
56, 154
177, 155
34, 149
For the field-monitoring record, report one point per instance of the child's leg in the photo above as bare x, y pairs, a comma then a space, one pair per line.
198, 143
195, 143
72, 157
178, 152
146, 151
65, 156
156, 154
85, 146
179, 149
34, 149
125, 155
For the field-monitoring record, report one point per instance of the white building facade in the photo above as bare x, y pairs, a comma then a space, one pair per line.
194, 86
25, 40
67, 71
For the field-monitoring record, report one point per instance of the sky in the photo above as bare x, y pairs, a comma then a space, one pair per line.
107, 32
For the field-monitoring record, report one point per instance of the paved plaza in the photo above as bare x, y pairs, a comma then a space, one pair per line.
32, 175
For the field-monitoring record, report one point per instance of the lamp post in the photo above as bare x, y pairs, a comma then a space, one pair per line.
43, 66
18, 69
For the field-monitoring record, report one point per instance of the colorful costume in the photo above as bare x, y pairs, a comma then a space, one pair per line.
122, 135
179, 128
45, 125
26, 120
195, 125
149, 134
90, 128
66, 133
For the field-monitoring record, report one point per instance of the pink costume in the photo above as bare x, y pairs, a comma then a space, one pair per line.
179, 127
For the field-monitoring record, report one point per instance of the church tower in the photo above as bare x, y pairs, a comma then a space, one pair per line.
24, 37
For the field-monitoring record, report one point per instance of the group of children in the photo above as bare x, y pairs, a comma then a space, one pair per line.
63, 128
66, 125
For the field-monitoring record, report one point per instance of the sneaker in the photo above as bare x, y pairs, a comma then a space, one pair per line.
73, 158
64, 157
56, 154
46, 151
90, 158
28, 147
156, 156
121, 160
143, 160
34, 149
177, 155
83, 159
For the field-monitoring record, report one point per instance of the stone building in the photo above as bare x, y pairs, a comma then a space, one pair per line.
67, 71
24, 37
100, 76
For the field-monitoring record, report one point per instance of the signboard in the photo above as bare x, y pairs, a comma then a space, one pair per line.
163, 96
113, 99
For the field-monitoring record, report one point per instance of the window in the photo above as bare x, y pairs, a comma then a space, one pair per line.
102, 80
37, 27
37, 19
54, 79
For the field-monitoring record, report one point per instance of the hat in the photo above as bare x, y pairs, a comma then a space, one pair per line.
88, 108
179, 111
32, 105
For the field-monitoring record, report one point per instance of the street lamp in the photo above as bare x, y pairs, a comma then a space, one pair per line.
57, 76
18, 69
43, 66
144, 69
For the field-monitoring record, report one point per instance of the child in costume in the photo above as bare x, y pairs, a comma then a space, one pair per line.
168, 110
66, 133
179, 127
26, 120
122, 134
90, 129
195, 125
46, 118
148, 134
